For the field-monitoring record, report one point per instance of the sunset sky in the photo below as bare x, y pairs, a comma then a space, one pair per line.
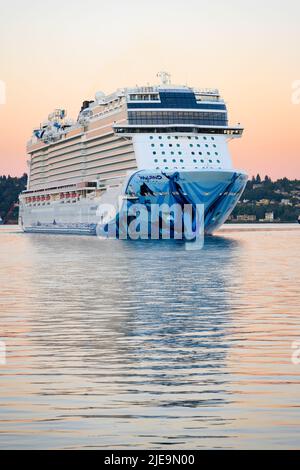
58, 53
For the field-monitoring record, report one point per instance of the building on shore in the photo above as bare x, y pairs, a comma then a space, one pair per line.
263, 202
286, 202
269, 217
246, 218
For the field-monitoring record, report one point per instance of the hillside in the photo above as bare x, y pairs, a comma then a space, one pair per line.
267, 200
10, 188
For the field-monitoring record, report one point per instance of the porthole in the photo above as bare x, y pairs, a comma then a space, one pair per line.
169, 137
151, 137
170, 145
195, 161
164, 160
210, 161
198, 145
200, 153
206, 145
216, 153
174, 161
193, 153
179, 153
154, 153
202, 161
212, 138
172, 153
161, 145
160, 137
218, 161
205, 138
178, 145
214, 145
191, 145
208, 153
163, 153
181, 161
156, 161
152, 145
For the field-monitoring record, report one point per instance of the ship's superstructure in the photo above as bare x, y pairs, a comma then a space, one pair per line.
163, 143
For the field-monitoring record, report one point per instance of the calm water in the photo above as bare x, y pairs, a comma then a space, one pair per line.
145, 345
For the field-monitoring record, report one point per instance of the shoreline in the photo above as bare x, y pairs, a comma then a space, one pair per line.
226, 228
259, 227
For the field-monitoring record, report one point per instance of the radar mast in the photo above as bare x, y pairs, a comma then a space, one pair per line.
165, 78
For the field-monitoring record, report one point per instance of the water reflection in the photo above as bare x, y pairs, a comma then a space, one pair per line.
134, 344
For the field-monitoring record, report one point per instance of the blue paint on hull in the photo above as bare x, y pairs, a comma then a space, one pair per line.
219, 192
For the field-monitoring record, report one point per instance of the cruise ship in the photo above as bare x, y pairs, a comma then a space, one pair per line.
162, 144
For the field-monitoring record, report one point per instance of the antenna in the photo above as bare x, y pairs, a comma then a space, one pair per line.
165, 78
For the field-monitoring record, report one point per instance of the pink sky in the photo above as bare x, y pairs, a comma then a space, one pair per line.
56, 54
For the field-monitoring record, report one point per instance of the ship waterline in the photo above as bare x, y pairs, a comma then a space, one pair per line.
119, 345
150, 145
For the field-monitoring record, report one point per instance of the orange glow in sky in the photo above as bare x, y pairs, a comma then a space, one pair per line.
56, 54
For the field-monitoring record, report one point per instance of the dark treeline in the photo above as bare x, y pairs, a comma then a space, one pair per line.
282, 197
10, 188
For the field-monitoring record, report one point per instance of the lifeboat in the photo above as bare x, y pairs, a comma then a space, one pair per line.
61, 195
48, 198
